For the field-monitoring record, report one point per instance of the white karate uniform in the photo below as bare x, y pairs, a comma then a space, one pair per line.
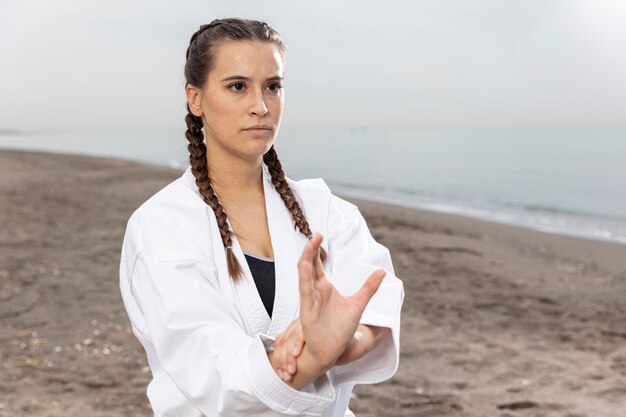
206, 337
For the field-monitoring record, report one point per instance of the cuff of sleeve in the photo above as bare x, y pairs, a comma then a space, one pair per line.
268, 342
373, 318
279, 396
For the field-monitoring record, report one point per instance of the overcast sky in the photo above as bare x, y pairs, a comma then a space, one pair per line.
118, 65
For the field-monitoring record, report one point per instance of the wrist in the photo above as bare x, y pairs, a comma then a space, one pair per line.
354, 350
365, 339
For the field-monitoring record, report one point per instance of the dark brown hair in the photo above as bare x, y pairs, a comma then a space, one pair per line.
200, 56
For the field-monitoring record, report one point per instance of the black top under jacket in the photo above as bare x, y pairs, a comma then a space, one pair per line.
264, 278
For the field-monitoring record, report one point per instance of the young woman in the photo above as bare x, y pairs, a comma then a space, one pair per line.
253, 294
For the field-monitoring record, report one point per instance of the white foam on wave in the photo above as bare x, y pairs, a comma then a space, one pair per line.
547, 221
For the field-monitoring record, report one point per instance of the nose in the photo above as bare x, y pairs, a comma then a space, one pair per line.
258, 107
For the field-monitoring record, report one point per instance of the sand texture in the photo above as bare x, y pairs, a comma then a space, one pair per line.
497, 320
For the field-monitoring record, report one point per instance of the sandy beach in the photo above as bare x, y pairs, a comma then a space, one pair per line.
497, 320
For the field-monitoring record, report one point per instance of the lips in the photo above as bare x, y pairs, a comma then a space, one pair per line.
258, 127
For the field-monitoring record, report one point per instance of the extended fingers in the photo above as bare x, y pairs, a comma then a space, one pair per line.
297, 346
282, 356
369, 288
293, 349
319, 265
298, 341
311, 248
293, 346
306, 270
286, 350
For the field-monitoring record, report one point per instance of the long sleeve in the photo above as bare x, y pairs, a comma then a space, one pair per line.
201, 344
353, 255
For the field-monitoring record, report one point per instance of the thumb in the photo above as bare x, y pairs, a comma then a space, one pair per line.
369, 288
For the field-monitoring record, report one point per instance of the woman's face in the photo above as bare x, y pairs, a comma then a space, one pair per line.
242, 101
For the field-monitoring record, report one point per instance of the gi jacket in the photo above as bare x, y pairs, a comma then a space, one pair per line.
206, 337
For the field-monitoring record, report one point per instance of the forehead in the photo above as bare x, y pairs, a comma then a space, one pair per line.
246, 58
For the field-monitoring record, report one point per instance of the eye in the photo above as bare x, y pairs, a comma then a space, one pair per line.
236, 87
274, 87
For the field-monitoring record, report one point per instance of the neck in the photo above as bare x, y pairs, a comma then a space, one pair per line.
232, 176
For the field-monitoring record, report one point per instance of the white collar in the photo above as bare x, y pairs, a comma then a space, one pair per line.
286, 244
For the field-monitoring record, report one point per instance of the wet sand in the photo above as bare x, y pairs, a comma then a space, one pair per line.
497, 320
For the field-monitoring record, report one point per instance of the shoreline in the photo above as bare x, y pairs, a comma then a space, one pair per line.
458, 211
463, 211
497, 319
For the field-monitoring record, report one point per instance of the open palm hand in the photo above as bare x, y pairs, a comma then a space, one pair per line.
329, 319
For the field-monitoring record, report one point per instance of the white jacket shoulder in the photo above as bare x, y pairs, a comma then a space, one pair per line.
309, 187
315, 193
167, 224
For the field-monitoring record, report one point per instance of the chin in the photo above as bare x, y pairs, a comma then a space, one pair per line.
256, 152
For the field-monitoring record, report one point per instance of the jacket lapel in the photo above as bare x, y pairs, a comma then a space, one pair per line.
287, 243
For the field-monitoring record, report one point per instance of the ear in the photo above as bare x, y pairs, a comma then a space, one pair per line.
193, 99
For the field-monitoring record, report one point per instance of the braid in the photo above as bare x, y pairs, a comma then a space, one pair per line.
199, 62
202, 29
281, 186
198, 162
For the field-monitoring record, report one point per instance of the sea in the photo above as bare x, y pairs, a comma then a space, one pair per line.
569, 181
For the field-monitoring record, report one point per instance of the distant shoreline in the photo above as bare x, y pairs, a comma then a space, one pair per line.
364, 196
10, 132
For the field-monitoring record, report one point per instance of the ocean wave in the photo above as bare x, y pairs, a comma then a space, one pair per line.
543, 218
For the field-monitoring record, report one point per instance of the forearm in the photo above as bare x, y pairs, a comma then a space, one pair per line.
365, 339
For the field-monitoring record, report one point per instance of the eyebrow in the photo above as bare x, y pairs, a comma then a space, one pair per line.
241, 77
